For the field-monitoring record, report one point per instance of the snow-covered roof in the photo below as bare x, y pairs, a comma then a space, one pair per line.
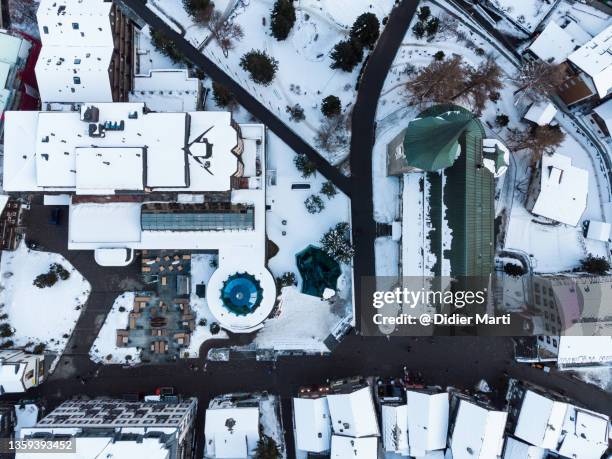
353, 414
540, 420
354, 448
12, 48
4, 199
595, 59
27, 415
105, 170
108, 447
541, 113
231, 433
78, 45
584, 350
563, 190
74, 73
167, 90
75, 23
117, 222
312, 424
427, 421
395, 429
599, 231
586, 434
478, 432
605, 113
11, 377
516, 449
554, 44
184, 151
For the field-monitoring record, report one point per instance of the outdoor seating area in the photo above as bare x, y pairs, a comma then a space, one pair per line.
159, 329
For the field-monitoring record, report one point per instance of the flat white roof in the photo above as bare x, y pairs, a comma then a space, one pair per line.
75, 23
478, 432
540, 420
563, 190
427, 421
312, 424
231, 433
395, 429
184, 151
113, 223
541, 113
353, 414
167, 90
354, 448
554, 44
104, 170
584, 350
74, 74
595, 59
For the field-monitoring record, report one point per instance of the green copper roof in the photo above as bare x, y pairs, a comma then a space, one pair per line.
431, 141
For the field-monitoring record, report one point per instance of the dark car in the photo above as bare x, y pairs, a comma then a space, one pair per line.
54, 218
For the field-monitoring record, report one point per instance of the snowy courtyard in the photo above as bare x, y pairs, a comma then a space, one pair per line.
39, 315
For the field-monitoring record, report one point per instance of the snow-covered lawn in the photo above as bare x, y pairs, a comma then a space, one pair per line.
40, 315
527, 13
303, 324
287, 205
270, 420
104, 349
304, 75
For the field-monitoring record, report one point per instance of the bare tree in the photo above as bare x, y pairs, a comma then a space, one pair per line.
332, 134
537, 79
438, 82
481, 83
224, 31
538, 140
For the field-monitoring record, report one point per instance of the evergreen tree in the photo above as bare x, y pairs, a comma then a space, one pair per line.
424, 13
513, 270
261, 66
283, 19
266, 448
200, 10
329, 189
346, 55
304, 165
314, 204
366, 30
166, 46
502, 120
223, 97
419, 30
595, 265
439, 56
48, 279
432, 26
287, 279
296, 112
331, 106
337, 244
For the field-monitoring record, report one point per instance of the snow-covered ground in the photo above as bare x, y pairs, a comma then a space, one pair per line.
600, 377
148, 57
304, 75
527, 13
287, 205
40, 315
202, 267
303, 323
104, 349
386, 252
270, 420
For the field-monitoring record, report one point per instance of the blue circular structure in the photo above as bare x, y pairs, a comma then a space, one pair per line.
241, 293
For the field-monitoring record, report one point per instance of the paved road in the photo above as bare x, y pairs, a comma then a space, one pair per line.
251, 104
362, 144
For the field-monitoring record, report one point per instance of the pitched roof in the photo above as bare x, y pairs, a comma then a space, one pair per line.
478, 432
312, 424
554, 44
231, 433
595, 59
427, 421
353, 414
354, 448
431, 141
395, 429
